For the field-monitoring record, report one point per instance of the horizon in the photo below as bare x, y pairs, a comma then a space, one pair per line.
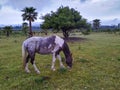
38, 25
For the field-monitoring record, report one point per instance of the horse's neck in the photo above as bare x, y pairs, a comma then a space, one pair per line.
66, 50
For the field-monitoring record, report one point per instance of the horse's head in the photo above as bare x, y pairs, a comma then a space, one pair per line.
69, 60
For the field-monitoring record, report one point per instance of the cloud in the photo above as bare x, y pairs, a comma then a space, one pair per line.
20, 4
9, 15
82, 0
11, 11
102, 9
2, 2
89, 9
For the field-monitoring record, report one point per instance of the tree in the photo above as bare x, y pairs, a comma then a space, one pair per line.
64, 19
7, 30
25, 28
96, 24
29, 15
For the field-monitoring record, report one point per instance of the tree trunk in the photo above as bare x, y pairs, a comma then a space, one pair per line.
7, 34
30, 29
65, 34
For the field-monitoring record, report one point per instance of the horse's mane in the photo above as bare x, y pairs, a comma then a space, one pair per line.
65, 49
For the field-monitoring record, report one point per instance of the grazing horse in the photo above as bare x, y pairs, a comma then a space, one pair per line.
45, 45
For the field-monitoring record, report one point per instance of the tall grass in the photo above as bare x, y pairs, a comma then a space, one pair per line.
96, 66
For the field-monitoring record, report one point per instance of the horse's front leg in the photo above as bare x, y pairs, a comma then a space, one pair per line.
53, 62
60, 60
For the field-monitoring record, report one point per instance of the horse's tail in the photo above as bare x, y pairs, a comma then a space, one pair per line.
24, 53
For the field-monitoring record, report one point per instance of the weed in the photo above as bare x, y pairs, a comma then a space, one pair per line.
41, 79
62, 70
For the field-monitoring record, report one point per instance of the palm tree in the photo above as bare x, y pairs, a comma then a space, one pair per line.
96, 24
29, 15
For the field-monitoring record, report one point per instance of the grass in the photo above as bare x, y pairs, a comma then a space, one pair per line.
96, 66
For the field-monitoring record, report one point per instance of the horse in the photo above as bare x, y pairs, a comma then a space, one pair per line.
45, 45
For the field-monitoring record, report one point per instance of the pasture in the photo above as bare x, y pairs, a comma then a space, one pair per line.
96, 66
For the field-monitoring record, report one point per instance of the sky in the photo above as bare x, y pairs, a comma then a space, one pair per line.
108, 11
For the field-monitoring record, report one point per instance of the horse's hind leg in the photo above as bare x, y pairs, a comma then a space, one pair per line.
34, 65
26, 64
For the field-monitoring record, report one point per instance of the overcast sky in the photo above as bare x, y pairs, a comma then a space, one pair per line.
108, 11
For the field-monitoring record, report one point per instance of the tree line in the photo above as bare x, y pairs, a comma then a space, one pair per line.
65, 19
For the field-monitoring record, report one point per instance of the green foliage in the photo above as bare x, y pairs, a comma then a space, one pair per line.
7, 30
62, 70
29, 14
85, 31
118, 59
41, 79
25, 28
64, 19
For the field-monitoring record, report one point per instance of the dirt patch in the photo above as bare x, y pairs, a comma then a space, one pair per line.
75, 39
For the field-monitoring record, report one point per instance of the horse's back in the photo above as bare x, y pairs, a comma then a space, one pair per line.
32, 39
40, 44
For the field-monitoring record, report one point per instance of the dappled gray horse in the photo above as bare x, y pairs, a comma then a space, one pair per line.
45, 45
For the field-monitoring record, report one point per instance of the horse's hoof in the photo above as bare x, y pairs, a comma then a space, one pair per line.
62, 66
38, 72
27, 71
53, 69
69, 68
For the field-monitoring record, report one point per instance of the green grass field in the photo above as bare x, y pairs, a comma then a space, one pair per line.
96, 66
